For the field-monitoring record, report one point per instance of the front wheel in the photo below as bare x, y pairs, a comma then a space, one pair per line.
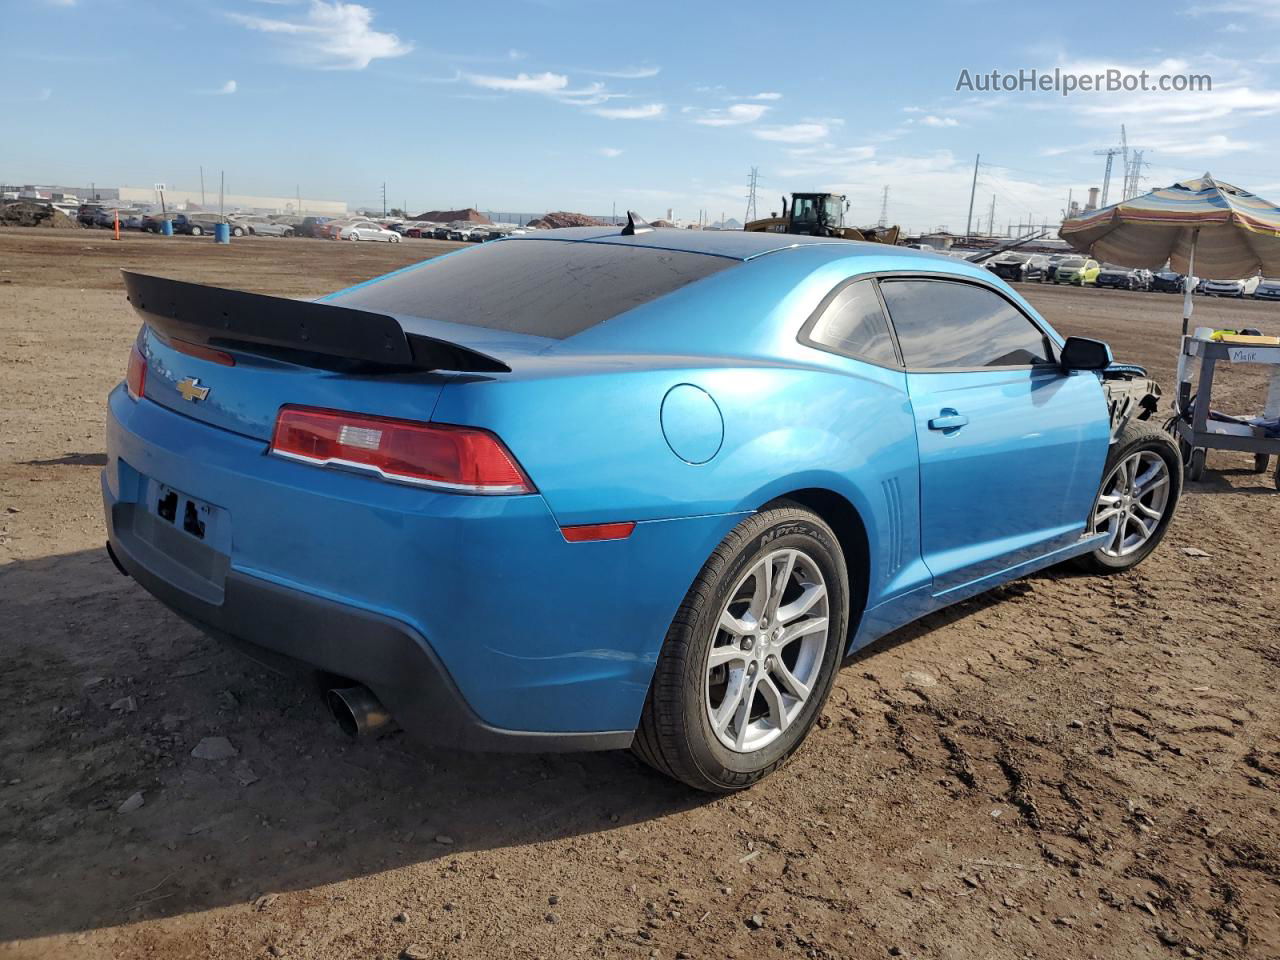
395, 238
196, 231
1139, 493
751, 654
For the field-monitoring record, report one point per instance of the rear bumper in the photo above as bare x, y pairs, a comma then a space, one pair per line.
280, 626
472, 618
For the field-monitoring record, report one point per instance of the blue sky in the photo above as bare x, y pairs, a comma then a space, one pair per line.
571, 104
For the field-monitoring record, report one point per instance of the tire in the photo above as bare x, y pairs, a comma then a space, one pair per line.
1152, 449
676, 736
197, 232
1260, 461
237, 232
395, 239
354, 238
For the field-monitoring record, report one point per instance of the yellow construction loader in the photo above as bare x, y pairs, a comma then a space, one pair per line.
820, 215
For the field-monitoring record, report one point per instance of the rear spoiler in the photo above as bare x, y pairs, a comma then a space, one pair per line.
217, 317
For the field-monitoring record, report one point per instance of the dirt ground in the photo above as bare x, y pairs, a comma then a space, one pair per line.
1070, 767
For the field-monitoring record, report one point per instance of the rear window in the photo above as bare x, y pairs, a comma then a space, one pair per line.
548, 288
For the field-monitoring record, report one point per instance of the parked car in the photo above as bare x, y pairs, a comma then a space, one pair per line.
420, 230
1167, 281
595, 538
131, 222
106, 217
1123, 278
330, 229
310, 226
1268, 289
1017, 267
1054, 260
1244, 287
87, 214
441, 232
269, 228
154, 222
199, 224
367, 230
1078, 271
1008, 266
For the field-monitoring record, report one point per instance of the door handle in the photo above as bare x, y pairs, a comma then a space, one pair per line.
949, 420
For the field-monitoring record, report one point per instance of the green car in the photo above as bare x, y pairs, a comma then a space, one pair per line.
1078, 271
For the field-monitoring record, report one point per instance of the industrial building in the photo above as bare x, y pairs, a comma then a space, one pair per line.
180, 199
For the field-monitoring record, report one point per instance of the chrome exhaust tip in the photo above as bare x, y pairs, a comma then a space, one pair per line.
357, 711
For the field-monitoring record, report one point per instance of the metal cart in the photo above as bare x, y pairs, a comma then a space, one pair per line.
1201, 433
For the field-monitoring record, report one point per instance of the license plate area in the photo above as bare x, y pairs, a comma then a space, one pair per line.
182, 539
190, 515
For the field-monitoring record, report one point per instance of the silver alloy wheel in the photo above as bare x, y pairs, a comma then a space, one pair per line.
1132, 502
767, 654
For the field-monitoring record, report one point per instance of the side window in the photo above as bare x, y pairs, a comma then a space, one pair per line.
946, 324
852, 323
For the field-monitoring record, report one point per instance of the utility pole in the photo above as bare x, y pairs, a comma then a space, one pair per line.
202, 188
968, 223
884, 207
384, 199
991, 220
297, 190
751, 213
222, 193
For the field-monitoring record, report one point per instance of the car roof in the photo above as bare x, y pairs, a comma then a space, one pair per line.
733, 244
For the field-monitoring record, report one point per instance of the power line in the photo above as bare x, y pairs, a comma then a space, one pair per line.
751, 213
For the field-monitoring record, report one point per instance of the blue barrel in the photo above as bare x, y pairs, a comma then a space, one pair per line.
166, 228
222, 233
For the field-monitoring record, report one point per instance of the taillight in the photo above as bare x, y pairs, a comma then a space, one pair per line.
442, 456
135, 377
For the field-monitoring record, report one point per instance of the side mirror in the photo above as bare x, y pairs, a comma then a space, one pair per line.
1081, 353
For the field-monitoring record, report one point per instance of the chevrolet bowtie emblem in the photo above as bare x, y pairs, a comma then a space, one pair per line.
191, 390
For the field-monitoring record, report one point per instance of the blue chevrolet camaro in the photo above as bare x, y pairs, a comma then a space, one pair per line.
592, 489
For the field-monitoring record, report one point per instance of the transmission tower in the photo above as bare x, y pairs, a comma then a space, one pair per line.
751, 213
884, 207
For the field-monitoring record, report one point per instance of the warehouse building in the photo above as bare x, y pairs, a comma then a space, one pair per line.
179, 199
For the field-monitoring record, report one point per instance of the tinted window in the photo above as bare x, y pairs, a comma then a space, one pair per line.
549, 288
944, 324
853, 324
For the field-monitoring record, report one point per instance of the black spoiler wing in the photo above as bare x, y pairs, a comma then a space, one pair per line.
220, 317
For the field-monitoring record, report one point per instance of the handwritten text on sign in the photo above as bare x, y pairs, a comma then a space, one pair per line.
1254, 354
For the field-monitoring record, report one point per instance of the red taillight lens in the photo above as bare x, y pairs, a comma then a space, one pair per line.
135, 377
587, 532
461, 459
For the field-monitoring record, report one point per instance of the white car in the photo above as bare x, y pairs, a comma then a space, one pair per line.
1245, 287
367, 230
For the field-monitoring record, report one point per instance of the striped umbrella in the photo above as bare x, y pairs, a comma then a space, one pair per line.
1203, 224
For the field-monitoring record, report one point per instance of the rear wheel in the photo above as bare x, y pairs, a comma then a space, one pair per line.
196, 231
750, 656
1137, 499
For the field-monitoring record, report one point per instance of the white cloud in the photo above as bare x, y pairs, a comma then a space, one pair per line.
934, 121
227, 88
521, 82
767, 95
609, 152
806, 132
625, 73
61, 3
732, 116
631, 113
331, 36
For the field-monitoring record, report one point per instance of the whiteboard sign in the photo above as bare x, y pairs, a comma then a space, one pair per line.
1254, 354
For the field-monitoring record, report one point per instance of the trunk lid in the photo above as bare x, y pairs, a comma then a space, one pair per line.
246, 397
